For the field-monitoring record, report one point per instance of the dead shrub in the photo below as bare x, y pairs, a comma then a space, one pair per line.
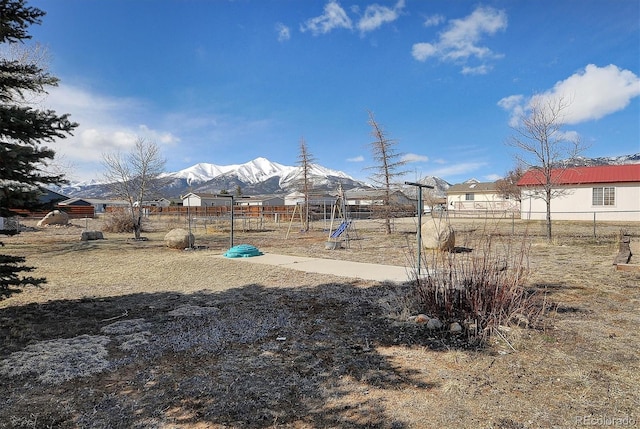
118, 221
481, 289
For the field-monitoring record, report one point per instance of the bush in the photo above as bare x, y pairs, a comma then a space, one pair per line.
480, 289
118, 221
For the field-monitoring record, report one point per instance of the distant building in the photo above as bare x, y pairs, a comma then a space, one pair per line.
473, 195
259, 200
294, 198
374, 197
202, 199
608, 192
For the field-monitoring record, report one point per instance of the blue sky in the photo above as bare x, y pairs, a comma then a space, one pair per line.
225, 82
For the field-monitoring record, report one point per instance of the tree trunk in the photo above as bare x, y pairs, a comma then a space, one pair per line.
137, 228
137, 222
549, 236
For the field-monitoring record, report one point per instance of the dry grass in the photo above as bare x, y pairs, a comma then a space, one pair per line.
137, 335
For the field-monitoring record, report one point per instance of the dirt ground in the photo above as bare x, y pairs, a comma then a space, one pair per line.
131, 334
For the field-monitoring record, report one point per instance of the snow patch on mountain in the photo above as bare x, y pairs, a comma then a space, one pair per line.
252, 172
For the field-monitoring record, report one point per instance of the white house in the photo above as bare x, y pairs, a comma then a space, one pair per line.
375, 197
294, 198
202, 199
609, 192
259, 200
473, 195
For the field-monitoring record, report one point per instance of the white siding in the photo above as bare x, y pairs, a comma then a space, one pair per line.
577, 204
481, 201
192, 201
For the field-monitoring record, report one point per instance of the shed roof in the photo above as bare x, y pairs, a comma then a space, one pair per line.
585, 175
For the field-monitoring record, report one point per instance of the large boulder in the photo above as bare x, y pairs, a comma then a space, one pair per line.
179, 239
437, 234
56, 217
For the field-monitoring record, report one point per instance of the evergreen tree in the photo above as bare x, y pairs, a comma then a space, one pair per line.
24, 131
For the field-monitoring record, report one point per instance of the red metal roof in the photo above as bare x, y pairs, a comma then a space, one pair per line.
584, 175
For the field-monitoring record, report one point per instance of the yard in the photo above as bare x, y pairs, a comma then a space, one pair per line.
132, 334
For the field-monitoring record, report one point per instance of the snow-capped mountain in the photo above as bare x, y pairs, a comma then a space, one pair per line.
581, 161
252, 172
259, 176
440, 187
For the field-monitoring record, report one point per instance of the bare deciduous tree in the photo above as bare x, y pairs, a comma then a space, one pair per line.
305, 159
543, 145
387, 168
135, 176
508, 185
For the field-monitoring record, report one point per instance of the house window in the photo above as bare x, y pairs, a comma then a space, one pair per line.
605, 196
468, 197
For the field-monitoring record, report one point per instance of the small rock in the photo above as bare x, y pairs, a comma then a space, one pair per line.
421, 318
91, 235
434, 324
455, 327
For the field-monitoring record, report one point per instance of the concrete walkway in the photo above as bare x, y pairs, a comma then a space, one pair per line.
359, 270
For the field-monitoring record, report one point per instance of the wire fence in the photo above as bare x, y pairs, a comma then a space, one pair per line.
585, 225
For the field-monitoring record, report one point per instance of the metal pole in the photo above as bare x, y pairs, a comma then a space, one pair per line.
419, 228
189, 223
419, 234
231, 221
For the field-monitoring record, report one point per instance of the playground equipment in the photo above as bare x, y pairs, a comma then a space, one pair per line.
242, 251
346, 231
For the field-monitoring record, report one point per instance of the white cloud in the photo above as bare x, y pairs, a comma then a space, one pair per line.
514, 104
595, 92
457, 169
433, 20
422, 51
358, 158
334, 17
492, 177
412, 157
461, 41
375, 16
284, 33
479, 70
590, 94
105, 124
569, 136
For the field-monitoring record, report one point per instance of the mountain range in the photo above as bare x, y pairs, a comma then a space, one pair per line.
263, 177
257, 177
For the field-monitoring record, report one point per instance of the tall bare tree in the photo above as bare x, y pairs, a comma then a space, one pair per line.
135, 176
387, 168
543, 145
305, 161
